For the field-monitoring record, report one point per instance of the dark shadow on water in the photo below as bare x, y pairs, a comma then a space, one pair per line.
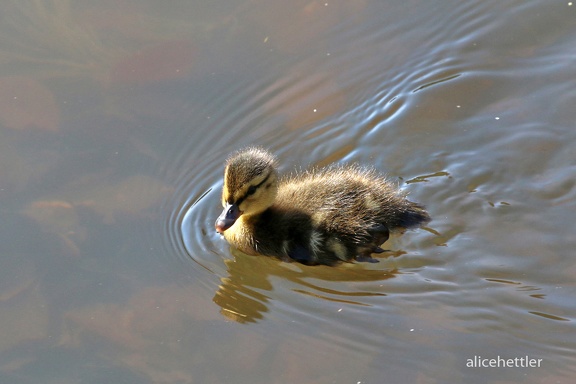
243, 296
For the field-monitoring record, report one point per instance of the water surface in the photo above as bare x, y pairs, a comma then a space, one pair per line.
115, 121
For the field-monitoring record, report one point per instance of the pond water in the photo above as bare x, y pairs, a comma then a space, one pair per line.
116, 118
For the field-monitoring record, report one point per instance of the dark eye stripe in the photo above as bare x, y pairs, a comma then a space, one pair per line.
252, 189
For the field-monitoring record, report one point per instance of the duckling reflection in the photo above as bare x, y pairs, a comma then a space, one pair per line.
323, 216
242, 295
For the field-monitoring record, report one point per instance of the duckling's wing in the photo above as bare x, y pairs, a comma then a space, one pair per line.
376, 236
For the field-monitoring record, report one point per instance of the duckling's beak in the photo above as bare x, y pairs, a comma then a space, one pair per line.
228, 217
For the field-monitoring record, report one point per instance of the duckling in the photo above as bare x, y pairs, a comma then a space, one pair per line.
321, 216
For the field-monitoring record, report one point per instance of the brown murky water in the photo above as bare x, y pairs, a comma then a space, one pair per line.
116, 117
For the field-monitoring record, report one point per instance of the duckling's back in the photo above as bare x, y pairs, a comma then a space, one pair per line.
349, 197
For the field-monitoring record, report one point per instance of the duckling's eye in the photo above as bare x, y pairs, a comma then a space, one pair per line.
251, 190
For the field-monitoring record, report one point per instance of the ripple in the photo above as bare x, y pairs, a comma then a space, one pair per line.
548, 316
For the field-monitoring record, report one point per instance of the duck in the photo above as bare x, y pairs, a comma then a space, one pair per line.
322, 216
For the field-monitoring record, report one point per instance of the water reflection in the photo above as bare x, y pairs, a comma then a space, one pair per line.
242, 294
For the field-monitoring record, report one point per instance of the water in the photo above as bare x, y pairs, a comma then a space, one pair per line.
115, 121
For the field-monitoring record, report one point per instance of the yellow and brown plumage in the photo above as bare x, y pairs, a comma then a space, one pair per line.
322, 216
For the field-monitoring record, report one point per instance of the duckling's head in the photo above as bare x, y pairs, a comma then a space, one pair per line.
250, 186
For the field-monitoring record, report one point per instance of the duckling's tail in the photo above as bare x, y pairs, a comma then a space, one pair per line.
414, 216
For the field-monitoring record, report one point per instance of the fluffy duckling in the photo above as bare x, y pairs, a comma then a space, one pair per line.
323, 216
